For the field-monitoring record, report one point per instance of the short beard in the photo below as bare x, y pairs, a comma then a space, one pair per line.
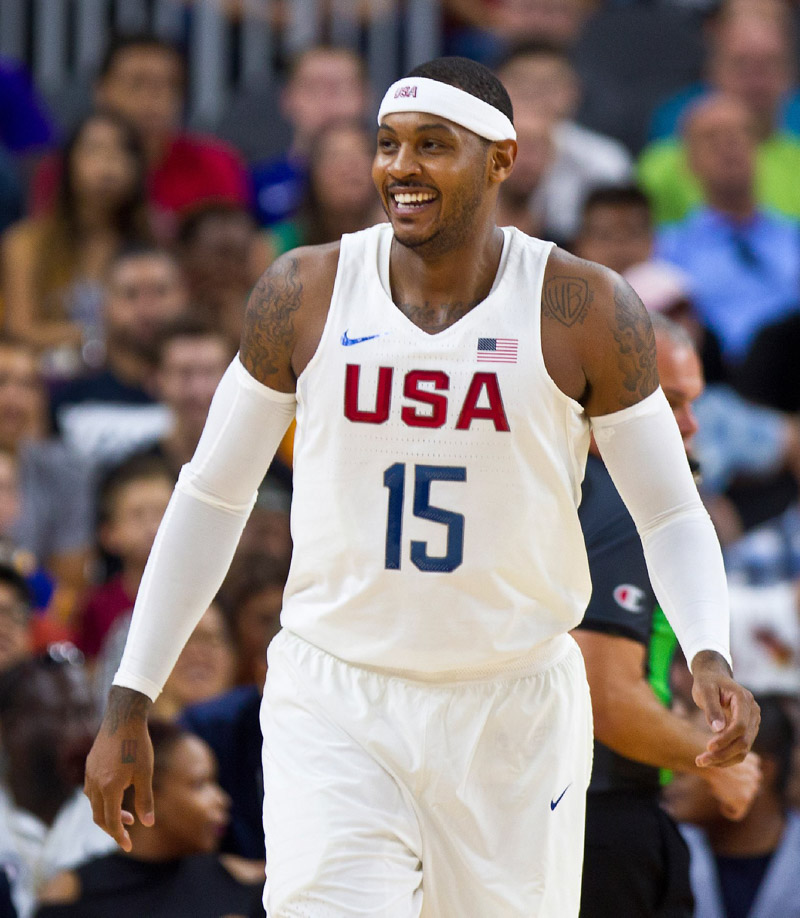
459, 227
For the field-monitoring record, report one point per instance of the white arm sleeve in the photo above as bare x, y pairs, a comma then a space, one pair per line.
645, 456
201, 528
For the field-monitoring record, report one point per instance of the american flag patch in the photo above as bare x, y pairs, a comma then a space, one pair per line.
497, 350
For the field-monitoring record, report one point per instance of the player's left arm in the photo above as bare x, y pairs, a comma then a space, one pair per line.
639, 442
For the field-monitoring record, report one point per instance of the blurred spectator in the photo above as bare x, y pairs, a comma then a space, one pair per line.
324, 84
173, 870
483, 29
192, 358
267, 531
132, 502
517, 196
752, 62
106, 414
745, 869
143, 78
616, 228
54, 266
340, 196
750, 54
222, 255
744, 261
204, 670
630, 56
15, 618
252, 597
47, 721
540, 78
55, 519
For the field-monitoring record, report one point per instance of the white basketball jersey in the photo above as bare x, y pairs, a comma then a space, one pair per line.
437, 477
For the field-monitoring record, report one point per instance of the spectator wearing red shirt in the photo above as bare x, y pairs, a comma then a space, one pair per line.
132, 501
144, 79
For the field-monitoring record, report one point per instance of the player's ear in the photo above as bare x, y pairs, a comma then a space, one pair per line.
501, 159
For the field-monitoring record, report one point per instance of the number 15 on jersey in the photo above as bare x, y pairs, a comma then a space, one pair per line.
394, 478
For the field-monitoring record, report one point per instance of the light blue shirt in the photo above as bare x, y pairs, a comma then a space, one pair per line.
744, 275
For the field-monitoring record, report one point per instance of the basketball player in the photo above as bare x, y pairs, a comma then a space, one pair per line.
636, 862
426, 719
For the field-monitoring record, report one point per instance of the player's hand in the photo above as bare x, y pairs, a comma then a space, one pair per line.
730, 709
735, 788
122, 755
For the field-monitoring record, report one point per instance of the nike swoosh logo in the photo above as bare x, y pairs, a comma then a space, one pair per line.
347, 342
555, 803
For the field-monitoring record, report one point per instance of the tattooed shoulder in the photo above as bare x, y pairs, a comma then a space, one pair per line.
268, 333
566, 298
636, 353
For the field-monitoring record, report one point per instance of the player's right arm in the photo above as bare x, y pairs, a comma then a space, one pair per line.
249, 415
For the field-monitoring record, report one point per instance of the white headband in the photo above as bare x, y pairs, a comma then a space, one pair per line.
419, 94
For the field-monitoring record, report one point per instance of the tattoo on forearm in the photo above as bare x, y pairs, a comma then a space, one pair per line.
128, 751
432, 318
269, 319
637, 346
125, 706
566, 298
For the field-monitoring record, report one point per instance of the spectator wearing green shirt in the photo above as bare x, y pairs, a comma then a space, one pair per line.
751, 58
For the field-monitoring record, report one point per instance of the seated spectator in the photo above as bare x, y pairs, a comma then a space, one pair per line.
53, 267
47, 722
144, 79
340, 196
132, 501
106, 414
752, 61
192, 358
542, 79
54, 523
616, 228
745, 869
517, 201
16, 607
222, 255
324, 84
204, 670
173, 869
743, 261
267, 531
252, 597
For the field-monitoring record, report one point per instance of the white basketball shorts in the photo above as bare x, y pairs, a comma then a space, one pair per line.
391, 798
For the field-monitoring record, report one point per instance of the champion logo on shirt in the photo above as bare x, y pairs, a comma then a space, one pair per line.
497, 350
629, 597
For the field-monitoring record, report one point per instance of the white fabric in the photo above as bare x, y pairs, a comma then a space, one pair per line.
392, 798
32, 853
419, 94
645, 456
201, 528
519, 574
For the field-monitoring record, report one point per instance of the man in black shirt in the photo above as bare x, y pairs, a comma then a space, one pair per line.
636, 863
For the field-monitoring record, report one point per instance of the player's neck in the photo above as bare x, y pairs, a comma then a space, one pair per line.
464, 275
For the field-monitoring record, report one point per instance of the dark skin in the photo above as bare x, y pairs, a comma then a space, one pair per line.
597, 341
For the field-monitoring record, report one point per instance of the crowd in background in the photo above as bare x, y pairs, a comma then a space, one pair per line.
128, 247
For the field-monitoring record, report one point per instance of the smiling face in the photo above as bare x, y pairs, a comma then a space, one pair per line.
437, 181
